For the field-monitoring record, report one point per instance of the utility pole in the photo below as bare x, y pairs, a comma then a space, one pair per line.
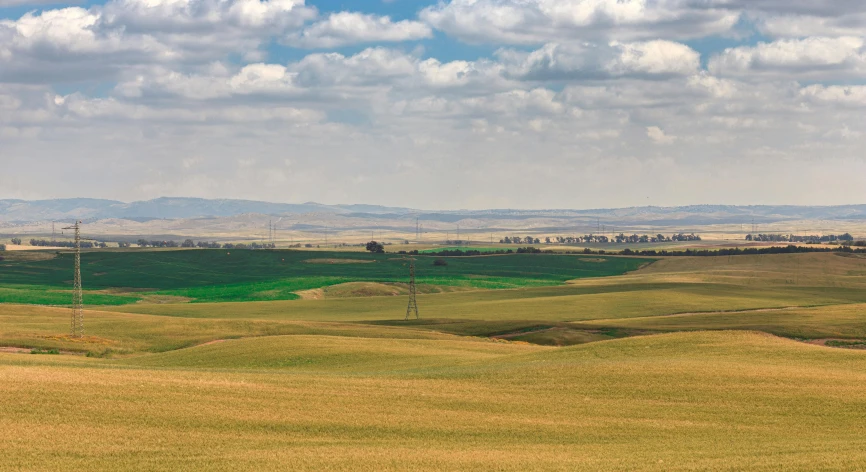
413, 303
77, 296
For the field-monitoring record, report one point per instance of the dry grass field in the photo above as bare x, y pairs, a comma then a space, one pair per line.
700, 401
686, 364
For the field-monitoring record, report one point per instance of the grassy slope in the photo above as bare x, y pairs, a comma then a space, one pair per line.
571, 303
43, 327
321, 393
219, 275
641, 301
693, 401
844, 322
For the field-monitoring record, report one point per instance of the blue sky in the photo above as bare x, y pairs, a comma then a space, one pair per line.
501, 103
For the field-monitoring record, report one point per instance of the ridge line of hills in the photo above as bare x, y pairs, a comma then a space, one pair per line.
12, 210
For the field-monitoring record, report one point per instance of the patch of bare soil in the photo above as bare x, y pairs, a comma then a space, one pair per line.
314, 294
22, 350
163, 299
12, 247
15, 350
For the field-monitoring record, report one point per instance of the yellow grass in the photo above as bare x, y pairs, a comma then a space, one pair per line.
702, 401
304, 385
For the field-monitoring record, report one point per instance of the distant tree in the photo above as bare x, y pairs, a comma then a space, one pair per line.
547, 240
188, 243
2, 248
440, 263
16, 241
143, 243
375, 247
228, 246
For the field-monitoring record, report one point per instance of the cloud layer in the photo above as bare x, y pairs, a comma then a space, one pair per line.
460, 103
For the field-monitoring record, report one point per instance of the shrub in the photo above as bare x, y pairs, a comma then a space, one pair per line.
375, 247
440, 263
45, 351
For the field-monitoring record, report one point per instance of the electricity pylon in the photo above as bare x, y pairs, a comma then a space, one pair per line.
413, 303
77, 296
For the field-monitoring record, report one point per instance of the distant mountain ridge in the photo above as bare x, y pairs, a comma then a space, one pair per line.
186, 208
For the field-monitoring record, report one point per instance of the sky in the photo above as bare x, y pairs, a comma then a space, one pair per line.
447, 104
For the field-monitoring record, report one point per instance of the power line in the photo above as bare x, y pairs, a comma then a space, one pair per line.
77, 295
413, 302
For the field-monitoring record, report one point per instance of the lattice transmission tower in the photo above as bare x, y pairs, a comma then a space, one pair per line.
413, 302
77, 296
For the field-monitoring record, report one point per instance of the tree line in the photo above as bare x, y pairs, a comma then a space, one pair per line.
66, 244
792, 238
790, 249
189, 243
621, 238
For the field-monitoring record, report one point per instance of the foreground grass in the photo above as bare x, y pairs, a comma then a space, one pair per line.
688, 401
345, 384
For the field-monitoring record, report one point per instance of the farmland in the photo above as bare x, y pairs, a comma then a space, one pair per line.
598, 363
121, 277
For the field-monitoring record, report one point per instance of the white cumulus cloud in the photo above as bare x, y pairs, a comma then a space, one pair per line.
648, 59
541, 21
811, 58
658, 136
344, 28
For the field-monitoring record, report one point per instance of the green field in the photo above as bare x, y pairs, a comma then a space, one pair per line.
712, 363
122, 277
